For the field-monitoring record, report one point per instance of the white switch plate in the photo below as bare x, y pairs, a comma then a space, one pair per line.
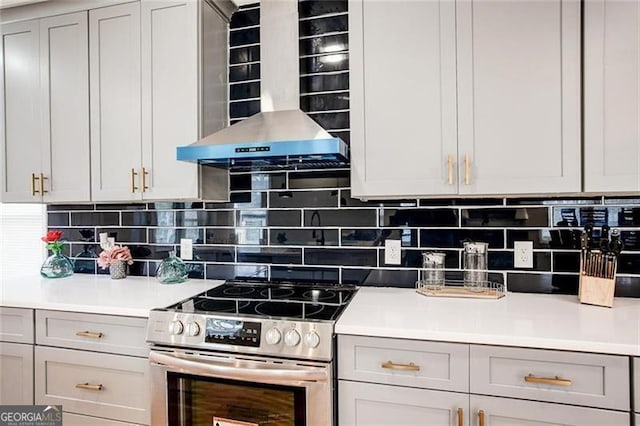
186, 249
523, 254
392, 252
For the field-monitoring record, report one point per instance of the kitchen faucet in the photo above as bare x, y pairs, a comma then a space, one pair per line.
318, 236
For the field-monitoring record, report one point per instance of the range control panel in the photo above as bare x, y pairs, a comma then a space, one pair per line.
232, 332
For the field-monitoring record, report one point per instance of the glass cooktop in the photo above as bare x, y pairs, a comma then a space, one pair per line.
283, 300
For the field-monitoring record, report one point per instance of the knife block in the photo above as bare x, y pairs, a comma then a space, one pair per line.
596, 290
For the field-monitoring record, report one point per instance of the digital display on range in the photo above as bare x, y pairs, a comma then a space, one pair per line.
232, 332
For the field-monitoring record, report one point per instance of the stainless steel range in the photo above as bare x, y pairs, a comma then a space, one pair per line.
247, 353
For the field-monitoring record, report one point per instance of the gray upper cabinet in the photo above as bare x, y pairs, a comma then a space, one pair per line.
445, 99
612, 95
46, 110
402, 93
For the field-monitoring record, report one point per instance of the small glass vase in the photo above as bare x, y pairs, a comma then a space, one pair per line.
172, 270
56, 266
118, 269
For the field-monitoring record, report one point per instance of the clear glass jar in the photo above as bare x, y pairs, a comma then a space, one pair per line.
172, 270
432, 272
474, 259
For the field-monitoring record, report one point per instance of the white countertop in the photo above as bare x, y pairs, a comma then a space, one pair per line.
527, 320
131, 296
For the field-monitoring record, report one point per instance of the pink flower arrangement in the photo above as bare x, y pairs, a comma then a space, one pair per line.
113, 254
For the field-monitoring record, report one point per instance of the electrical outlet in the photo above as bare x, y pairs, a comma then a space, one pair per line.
186, 249
523, 254
392, 252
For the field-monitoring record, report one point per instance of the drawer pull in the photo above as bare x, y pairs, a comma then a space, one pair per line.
481, 418
547, 380
405, 367
460, 417
91, 334
87, 386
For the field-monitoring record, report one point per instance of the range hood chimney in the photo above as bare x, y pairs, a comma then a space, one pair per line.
281, 136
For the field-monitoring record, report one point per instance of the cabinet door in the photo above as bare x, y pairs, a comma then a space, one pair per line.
372, 404
403, 98
519, 96
64, 93
16, 370
612, 95
169, 96
20, 151
514, 412
114, 63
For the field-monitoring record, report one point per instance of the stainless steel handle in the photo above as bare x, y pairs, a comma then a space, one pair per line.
460, 417
450, 169
467, 169
144, 174
557, 381
92, 334
406, 367
34, 191
42, 179
133, 180
87, 386
236, 370
481, 418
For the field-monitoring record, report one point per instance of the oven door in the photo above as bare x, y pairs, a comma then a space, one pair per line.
205, 388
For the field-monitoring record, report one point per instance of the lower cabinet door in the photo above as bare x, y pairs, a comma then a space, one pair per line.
95, 384
514, 412
70, 419
372, 404
16, 374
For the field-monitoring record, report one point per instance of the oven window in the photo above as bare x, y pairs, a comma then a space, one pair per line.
201, 401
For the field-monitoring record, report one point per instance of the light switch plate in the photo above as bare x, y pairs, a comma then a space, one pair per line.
392, 252
186, 249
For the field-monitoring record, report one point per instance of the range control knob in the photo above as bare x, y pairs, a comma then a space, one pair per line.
291, 338
176, 327
193, 329
312, 339
273, 336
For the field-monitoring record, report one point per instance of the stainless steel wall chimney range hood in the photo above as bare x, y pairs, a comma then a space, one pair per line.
281, 136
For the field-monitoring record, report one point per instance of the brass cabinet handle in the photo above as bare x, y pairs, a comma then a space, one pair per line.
481, 418
460, 417
405, 367
133, 180
92, 334
42, 179
34, 191
144, 173
87, 386
450, 169
467, 169
557, 381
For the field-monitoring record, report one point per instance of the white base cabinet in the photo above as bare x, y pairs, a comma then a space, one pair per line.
70, 419
16, 371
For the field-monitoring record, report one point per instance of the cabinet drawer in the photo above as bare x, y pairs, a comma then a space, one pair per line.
16, 325
102, 333
636, 385
574, 378
412, 363
120, 383
70, 419
16, 374
504, 411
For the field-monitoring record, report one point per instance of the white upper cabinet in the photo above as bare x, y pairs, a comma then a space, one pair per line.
612, 95
46, 119
518, 96
402, 93
465, 97
114, 41
148, 85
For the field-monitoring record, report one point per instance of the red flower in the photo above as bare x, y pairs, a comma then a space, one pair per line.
52, 236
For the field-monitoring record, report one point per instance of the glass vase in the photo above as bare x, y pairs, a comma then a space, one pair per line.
172, 270
57, 266
118, 269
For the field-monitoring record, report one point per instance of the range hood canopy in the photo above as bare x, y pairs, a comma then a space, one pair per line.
281, 136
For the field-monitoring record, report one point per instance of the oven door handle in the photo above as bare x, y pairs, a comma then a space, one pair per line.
247, 372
